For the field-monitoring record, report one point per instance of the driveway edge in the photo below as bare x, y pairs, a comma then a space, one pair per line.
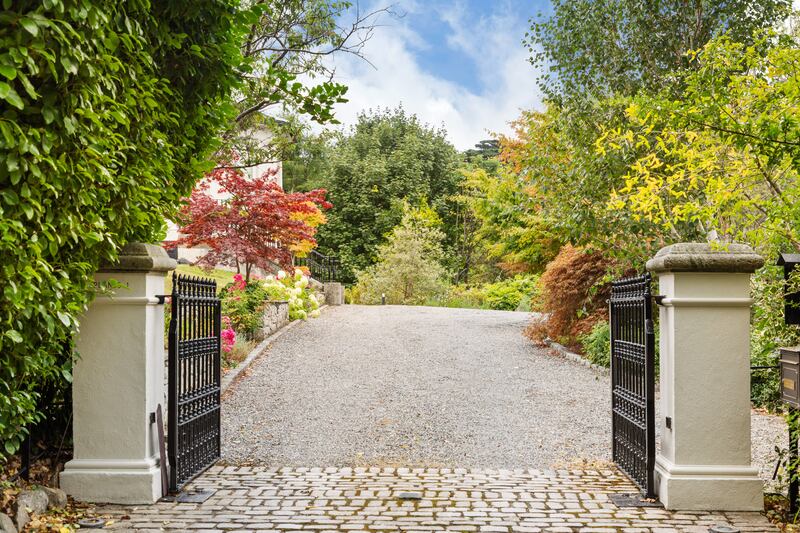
572, 356
231, 377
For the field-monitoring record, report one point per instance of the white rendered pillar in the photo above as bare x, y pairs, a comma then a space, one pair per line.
118, 383
704, 462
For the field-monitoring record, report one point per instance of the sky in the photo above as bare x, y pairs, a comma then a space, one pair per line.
457, 64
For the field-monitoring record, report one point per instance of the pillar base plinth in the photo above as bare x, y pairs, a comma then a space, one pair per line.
709, 487
112, 481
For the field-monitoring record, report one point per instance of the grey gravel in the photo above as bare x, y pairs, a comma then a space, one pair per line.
425, 386
767, 431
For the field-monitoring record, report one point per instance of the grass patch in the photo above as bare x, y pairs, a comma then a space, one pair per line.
222, 277
239, 353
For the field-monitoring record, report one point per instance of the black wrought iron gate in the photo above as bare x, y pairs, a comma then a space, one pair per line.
633, 380
193, 428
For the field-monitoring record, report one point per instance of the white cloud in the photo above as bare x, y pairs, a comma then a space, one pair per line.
491, 43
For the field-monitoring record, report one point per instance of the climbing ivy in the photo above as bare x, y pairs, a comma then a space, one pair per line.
108, 114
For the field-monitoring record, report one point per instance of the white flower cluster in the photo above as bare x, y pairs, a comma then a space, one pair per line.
303, 303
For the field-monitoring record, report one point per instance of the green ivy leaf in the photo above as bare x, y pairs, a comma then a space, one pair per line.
10, 445
30, 26
49, 114
8, 94
8, 72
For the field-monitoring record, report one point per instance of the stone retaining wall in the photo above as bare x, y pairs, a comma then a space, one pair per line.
276, 315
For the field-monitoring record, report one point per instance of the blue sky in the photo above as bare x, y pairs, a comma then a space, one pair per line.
455, 63
443, 54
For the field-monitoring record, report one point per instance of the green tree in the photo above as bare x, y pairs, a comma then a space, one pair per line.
387, 158
593, 49
108, 114
511, 231
485, 155
287, 47
595, 55
409, 269
724, 157
307, 160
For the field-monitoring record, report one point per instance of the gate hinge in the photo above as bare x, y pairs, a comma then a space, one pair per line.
162, 298
659, 298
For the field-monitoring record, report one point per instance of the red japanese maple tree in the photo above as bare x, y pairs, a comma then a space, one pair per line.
255, 224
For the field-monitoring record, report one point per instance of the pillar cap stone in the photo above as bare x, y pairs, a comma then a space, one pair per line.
705, 257
142, 257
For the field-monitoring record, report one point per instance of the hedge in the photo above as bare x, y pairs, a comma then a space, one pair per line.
108, 114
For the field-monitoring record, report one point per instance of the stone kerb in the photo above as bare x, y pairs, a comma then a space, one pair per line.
119, 381
704, 462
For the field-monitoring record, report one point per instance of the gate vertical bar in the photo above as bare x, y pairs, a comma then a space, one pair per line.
218, 366
612, 327
172, 377
650, 386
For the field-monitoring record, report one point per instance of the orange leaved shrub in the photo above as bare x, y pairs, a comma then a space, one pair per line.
572, 296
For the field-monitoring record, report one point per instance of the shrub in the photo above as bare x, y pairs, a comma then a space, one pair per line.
228, 335
303, 303
509, 294
573, 295
243, 305
461, 296
769, 332
597, 344
243, 302
109, 113
409, 269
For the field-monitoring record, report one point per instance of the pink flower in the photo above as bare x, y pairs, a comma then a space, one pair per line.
228, 339
238, 282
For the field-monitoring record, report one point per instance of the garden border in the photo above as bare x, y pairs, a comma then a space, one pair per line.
565, 352
231, 377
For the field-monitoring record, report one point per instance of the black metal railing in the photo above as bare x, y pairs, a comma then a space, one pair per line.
193, 428
633, 380
50, 437
322, 267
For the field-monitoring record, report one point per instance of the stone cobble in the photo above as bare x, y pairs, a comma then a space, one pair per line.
369, 500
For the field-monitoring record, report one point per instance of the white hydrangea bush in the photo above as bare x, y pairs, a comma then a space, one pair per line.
303, 303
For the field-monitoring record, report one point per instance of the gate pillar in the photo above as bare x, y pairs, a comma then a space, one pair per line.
118, 383
704, 462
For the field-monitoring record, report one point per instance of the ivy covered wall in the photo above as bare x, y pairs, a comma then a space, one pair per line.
108, 114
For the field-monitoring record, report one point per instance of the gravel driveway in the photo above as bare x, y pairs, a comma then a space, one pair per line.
420, 386
425, 386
